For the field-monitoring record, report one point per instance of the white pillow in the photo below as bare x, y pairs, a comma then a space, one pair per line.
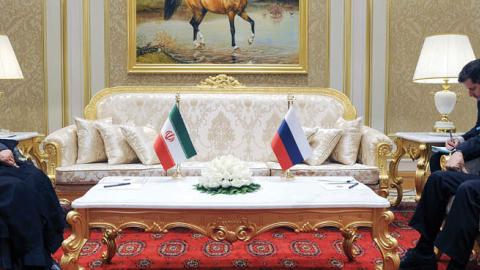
116, 146
346, 151
322, 142
90, 143
141, 139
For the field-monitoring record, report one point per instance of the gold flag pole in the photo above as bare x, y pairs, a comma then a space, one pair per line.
178, 172
287, 174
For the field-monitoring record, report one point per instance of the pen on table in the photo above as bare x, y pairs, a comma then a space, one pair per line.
116, 185
352, 186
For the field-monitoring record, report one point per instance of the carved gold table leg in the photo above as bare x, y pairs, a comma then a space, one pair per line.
385, 242
72, 246
421, 173
395, 181
109, 240
349, 237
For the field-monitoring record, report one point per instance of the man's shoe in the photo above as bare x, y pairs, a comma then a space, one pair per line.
416, 261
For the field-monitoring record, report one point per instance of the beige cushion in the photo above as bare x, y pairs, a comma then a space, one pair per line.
194, 168
346, 151
322, 142
141, 139
116, 146
369, 175
90, 143
87, 174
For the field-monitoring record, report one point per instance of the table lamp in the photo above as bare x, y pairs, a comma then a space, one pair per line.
441, 60
9, 67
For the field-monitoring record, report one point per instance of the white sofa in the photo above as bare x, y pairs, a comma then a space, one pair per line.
223, 118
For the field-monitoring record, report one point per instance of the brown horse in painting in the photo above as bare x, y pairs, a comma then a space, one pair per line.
201, 7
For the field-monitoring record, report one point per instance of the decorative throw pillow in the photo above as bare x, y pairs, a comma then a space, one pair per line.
347, 148
90, 143
141, 139
116, 145
322, 142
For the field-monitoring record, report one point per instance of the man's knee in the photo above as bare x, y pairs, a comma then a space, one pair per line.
435, 178
468, 187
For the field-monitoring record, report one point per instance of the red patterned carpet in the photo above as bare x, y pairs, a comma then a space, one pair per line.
277, 249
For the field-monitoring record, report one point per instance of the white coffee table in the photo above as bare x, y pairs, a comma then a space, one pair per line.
157, 204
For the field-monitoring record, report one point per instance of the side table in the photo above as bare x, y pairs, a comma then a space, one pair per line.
418, 146
28, 144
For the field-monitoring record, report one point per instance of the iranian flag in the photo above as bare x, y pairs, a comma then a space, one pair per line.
173, 144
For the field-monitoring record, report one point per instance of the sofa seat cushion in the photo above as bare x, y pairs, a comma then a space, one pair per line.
194, 168
366, 174
82, 174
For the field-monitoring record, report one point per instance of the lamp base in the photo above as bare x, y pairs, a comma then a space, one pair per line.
444, 126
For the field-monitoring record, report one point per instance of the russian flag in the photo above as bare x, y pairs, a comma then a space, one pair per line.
289, 143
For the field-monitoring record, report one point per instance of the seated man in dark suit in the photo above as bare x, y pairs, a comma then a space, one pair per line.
461, 226
472, 133
31, 218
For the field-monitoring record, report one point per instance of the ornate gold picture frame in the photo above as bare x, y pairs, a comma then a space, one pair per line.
259, 36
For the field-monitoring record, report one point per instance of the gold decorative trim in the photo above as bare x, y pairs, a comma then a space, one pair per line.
350, 112
300, 68
106, 40
65, 99
347, 46
329, 22
87, 88
382, 153
72, 246
387, 70
231, 225
220, 81
368, 63
45, 66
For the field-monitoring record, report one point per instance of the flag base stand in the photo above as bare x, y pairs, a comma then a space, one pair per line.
178, 173
287, 175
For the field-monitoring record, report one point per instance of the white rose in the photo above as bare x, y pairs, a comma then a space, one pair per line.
237, 183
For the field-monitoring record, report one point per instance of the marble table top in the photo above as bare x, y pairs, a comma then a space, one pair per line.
275, 193
18, 136
426, 137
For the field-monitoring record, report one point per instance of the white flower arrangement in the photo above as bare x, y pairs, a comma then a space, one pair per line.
226, 175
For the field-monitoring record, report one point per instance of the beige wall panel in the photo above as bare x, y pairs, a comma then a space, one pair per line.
410, 106
23, 105
318, 55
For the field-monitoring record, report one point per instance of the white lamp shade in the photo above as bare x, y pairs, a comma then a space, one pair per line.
442, 58
9, 67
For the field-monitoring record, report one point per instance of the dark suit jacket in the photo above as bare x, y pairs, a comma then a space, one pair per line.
471, 147
476, 129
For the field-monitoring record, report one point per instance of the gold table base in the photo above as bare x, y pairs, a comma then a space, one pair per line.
231, 225
416, 151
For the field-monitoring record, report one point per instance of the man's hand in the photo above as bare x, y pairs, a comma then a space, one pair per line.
451, 144
456, 162
6, 158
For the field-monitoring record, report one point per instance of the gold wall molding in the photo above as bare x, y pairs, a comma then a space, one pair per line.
87, 92
368, 63
106, 43
347, 46
65, 96
45, 66
23, 104
318, 36
410, 106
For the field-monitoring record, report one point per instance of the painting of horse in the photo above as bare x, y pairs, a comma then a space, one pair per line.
199, 9
231, 33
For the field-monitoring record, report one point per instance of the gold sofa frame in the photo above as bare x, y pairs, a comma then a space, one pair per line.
220, 84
